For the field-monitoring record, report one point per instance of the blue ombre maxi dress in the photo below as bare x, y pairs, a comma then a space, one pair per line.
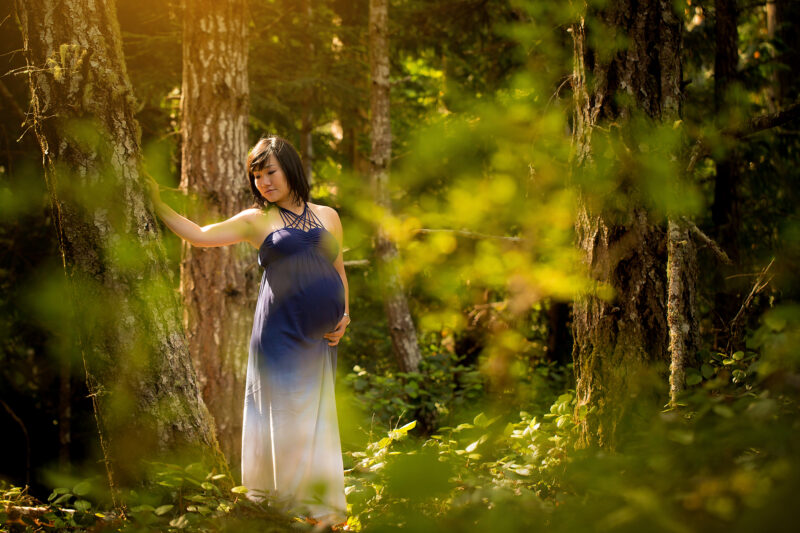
290, 436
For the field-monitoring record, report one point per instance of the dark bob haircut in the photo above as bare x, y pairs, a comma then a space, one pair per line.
290, 163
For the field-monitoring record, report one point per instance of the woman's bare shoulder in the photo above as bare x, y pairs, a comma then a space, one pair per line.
324, 210
329, 217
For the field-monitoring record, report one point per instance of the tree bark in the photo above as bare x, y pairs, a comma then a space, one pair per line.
682, 273
218, 285
620, 346
138, 370
401, 326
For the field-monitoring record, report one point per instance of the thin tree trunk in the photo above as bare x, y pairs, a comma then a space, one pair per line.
725, 210
217, 285
681, 303
619, 344
785, 18
138, 370
401, 327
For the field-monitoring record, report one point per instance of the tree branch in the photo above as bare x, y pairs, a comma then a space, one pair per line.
720, 253
735, 326
357, 263
470, 234
765, 122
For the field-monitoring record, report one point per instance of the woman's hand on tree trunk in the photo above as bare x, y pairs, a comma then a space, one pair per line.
153, 190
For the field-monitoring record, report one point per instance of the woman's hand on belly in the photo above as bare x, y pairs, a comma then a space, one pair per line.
334, 336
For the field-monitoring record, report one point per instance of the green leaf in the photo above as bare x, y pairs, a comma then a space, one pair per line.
707, 371
480, 420
82, 505
738, 356
62, 498
82, 488
180, 522
481, 440
143, 508
241, 489
163, 509
56, 492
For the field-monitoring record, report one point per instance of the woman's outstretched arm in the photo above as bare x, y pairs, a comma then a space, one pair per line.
236, 229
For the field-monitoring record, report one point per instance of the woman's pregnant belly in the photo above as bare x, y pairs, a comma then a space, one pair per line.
308, 297
322, 305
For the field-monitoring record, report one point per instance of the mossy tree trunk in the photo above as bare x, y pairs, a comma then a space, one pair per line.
138, 370
620, 351
219, 285
401, 326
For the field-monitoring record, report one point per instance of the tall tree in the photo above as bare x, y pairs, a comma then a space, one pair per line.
218, 288
619, 342
401, 326
138, 370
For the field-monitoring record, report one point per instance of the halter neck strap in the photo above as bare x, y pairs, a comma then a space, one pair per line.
304, 221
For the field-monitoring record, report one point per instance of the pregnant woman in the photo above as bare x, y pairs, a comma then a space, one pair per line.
290, 438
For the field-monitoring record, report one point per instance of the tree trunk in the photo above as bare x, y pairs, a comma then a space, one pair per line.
218, 285
725, 210
401, 327
682, 273
138, 370
620, 346
783, 18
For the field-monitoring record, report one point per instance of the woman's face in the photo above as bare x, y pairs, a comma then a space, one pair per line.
271, 181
